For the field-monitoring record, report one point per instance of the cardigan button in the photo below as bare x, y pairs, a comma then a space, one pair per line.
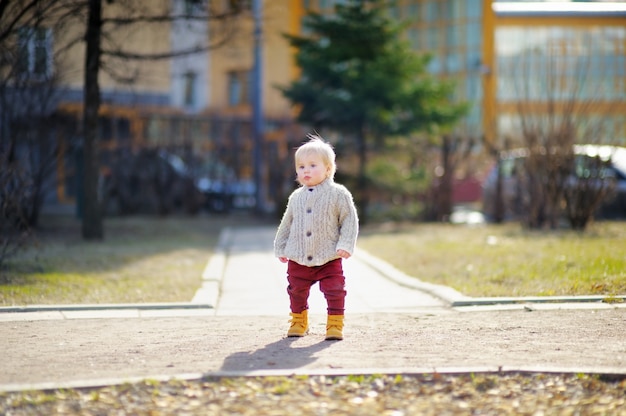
309, 258
308, 233
308, 210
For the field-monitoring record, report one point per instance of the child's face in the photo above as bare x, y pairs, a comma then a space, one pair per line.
311, 170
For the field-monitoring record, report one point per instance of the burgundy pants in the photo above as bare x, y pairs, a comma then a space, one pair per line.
332, 284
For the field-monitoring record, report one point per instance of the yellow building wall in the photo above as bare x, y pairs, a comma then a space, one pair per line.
489, 79
70, 63
154, 76
278, 59
149, 75
238, 55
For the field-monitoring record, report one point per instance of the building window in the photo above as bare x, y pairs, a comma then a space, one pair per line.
191, 79
239, 91
474, 9
454, 35
238, 6
432, 38
432, 11
414, 38
194, 7
394, 12
35, 52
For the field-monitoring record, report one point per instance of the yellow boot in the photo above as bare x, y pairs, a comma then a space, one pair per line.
334, 327
299, 324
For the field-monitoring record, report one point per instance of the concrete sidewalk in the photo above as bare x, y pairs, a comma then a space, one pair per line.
236, 325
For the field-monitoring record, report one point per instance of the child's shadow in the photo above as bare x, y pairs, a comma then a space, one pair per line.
277, 355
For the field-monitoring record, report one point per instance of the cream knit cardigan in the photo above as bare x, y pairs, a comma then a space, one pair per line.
318, 221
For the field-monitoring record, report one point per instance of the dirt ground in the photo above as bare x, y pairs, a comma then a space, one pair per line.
93, 351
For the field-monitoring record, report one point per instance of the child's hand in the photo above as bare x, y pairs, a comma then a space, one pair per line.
283, 259
343, 254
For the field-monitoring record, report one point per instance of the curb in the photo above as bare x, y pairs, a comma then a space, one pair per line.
206, 297
445, 293
214, 271
105, 307
539, 299
456, 299
451, 371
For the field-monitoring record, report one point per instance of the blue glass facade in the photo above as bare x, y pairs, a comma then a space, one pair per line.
502, 53
451, 31
562, 64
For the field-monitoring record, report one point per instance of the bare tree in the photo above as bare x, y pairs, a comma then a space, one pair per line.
14, 199
594, 183
104, 27
454, 150
101, 44
28, 98
555, 107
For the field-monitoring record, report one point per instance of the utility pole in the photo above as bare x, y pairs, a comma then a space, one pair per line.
257, 106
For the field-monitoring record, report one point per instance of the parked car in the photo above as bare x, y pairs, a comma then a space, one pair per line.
244, 194
222, 190
149, 182
512, 162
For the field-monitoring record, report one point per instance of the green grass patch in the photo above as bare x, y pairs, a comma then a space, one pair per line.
506, 260
148, 259
141, 259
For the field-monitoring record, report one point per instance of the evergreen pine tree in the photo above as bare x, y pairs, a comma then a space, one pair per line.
359, 78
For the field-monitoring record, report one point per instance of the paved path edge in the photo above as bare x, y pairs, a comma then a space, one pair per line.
337, 372
457, 299
206, 297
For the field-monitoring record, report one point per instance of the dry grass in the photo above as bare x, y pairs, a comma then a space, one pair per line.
142, 259
145, 259
506, 260
428, 394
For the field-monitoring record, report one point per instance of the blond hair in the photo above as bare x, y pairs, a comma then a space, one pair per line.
317, 146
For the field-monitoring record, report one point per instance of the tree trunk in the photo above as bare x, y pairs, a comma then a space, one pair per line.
498, 213
92, 227
444, 193
362, 191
